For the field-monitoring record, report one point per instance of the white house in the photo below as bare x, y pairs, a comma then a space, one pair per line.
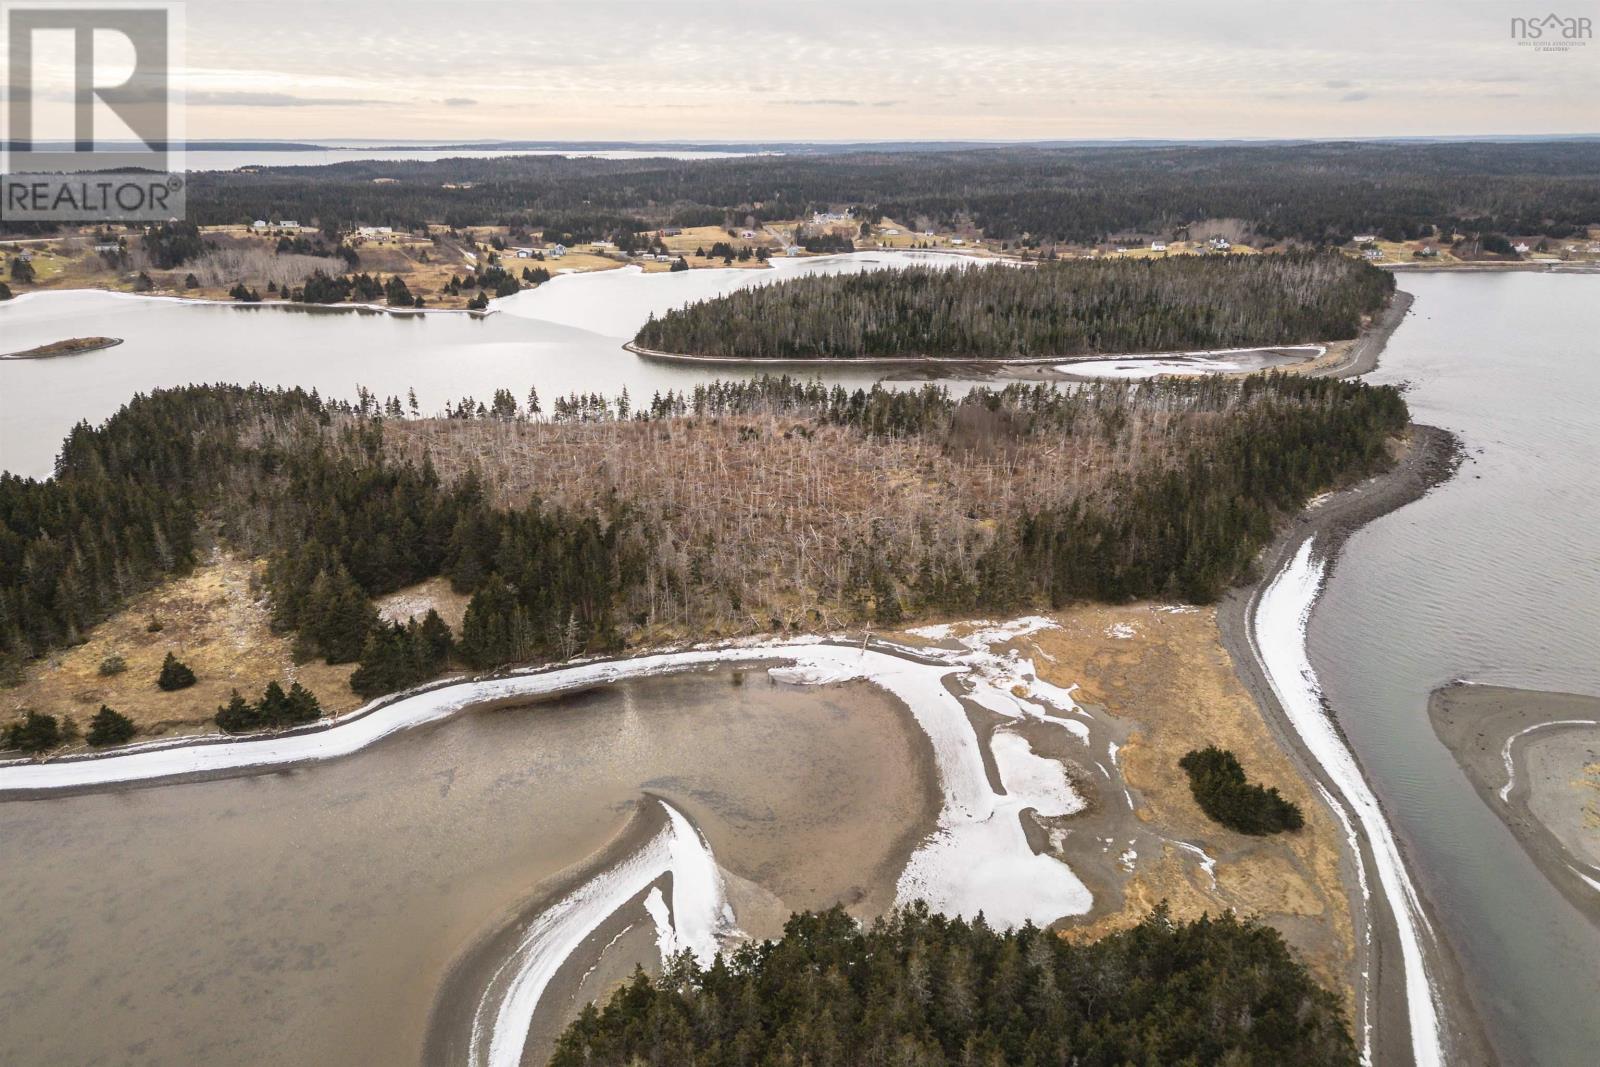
524, 253
1158, 246
555, 251
288, 224
957, 241
1363, 238
1521, 248
259, 224
373, 231
663, 259
747, 234
106, 246
1372, 253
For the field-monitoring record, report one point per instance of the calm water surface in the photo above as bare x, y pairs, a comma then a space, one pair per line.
561, 337
1493, 577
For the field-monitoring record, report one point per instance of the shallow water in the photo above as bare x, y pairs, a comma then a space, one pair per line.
310, 916
1493, 577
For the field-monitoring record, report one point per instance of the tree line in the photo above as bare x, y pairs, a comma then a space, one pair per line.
916, 987
1310, 193
1072, 308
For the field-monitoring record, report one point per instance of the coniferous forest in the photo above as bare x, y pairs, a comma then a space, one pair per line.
1070, 308
920, 988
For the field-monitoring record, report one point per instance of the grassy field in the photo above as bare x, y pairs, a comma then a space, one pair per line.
214, 620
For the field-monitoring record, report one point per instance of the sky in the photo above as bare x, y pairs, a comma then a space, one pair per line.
873, 70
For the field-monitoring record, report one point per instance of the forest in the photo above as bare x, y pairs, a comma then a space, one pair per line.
921, 988
1067, 308
1029, 196
771, 505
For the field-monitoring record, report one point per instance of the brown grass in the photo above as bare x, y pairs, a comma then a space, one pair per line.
1174, 680
214, 621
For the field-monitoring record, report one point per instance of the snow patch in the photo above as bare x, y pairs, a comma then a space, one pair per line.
1505, 749
1279, 637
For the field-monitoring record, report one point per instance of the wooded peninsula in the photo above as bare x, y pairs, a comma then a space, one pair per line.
1069, 308
769, 505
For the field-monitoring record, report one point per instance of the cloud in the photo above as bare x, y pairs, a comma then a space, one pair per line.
1338, 83
1351, 98
832, 102
460, 101
208, 98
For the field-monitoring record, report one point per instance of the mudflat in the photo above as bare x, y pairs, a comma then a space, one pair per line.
310, 915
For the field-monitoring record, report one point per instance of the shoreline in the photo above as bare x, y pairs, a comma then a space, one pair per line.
1362, 355
1553, 267
978, 362
1483, 727
1430, 458
200, 301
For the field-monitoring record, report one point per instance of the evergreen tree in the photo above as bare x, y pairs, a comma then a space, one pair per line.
336, 616
300, 706
238, 716
486, 629
174, 675
109, 727
37, 732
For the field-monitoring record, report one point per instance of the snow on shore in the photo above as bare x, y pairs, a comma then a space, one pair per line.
352, 732
1278, 632
978, 859
700, 917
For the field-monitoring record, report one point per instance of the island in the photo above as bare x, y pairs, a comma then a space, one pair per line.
72, 346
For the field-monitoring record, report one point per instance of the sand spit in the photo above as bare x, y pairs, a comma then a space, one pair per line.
1534, 758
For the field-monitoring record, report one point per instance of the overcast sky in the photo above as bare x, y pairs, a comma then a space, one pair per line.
867, 69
